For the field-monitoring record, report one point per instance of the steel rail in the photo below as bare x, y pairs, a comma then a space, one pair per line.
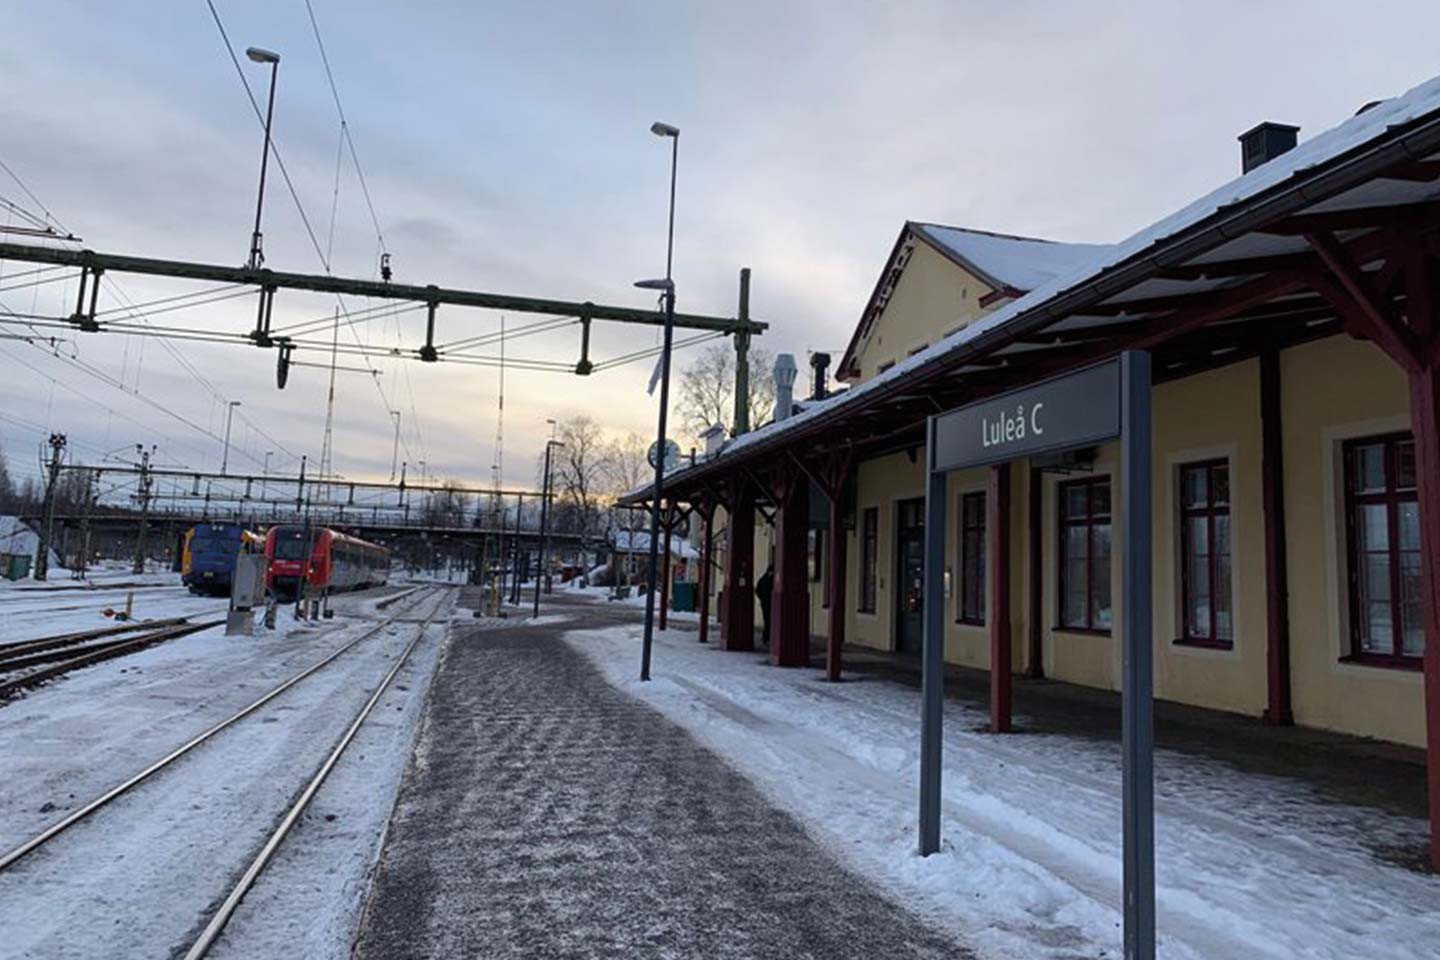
49, 833
65, 639
222, 916
52, 651
90, 655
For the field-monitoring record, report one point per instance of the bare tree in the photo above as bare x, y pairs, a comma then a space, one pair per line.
707, 389
578, 471
444, 507
627, 469
7, 488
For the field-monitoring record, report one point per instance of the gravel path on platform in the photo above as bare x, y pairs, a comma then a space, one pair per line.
548, 814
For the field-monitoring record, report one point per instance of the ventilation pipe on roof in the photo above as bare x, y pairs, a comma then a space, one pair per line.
714, 438
1264, 142
819, 384
785, 371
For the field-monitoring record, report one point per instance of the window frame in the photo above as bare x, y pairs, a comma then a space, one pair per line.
1089, 522
869, 560
820, 565
1391, 498
967, 529
1210, 511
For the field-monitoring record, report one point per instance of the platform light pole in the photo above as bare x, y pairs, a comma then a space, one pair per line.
225, 457
257, 255
667, 287
541, 564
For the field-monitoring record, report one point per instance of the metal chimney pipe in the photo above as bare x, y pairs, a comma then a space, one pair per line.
819, 367
785, 371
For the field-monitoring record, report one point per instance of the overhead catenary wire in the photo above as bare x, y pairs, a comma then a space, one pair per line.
120, 294
295, 197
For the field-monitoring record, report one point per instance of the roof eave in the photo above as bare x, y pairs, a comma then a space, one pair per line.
1414, 140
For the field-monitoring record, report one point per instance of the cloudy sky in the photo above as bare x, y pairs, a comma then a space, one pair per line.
506, 149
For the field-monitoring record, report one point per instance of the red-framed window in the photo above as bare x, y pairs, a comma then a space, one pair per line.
869, 557
1206, 599
1383, 535
971, 608
1085, 555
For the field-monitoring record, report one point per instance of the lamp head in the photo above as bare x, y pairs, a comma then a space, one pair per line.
260, 55
664, 129
662, 284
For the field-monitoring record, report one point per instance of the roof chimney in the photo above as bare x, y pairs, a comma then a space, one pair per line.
784, 386
1264, 142
714, 437
819, 366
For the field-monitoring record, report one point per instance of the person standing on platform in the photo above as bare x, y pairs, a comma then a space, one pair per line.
764, 587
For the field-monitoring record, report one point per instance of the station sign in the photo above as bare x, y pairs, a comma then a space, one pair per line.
1108, 401
1076, 410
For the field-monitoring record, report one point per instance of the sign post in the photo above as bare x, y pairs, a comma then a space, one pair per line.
1137, 656
1097, 404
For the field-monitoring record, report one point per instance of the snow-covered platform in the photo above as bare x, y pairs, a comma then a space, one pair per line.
547, 813
1270, 843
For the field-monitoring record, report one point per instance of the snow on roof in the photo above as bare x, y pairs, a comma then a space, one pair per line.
1021, 263
1355, 132
638, 541
16, 536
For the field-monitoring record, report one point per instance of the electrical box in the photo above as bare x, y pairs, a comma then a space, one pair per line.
247, 591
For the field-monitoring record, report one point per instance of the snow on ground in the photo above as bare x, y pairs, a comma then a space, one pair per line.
308, 901
635, 599
31, 609
1248, 866
135, 878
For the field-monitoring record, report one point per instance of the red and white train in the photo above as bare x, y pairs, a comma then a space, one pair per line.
336, 562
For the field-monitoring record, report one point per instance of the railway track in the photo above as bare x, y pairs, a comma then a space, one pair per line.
215, 923
59, 655
16, 647
30, 594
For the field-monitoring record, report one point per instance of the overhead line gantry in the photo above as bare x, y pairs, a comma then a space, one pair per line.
93, 265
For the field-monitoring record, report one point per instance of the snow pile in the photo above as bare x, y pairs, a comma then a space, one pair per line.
1248, 865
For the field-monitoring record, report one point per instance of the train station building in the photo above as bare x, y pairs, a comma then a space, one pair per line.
1293, 321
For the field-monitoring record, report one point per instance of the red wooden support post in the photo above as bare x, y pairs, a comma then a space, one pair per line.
1425, 425
707, 564
1001, 662
1425, 422
1277, 595
1035, 601
737, 626
666, 526
835, 639
790, 608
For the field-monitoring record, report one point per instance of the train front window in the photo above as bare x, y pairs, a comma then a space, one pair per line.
290, 548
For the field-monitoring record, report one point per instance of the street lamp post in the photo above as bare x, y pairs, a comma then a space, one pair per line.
395, 450
668, 287
265, 477
542, 563
257, 256
225, 458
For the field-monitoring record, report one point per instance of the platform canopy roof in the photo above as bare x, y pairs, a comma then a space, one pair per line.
1299, 248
